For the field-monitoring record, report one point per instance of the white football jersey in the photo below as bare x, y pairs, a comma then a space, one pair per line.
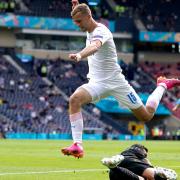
103, 64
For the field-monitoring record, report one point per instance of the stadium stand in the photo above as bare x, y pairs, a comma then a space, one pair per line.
34, 96
160, 16
169, 70
34, 106
7, 6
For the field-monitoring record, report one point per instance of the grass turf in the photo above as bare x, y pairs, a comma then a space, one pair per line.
42, 160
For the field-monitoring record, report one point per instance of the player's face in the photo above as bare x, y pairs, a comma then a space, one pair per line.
81, 21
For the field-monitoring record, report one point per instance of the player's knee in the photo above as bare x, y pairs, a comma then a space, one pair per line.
74, 100
144, 118
142, 114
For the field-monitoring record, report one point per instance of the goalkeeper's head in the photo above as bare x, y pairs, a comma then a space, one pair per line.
140, 150
140, 146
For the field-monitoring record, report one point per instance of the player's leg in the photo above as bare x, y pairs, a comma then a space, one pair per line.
83, 95
165, 173
159, 174
77, 99
129, 98
118, 173
146, 113
80, 97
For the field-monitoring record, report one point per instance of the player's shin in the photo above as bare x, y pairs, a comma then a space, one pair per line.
155, 98
77, 127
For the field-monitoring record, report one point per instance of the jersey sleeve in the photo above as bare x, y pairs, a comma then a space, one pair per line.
101, 34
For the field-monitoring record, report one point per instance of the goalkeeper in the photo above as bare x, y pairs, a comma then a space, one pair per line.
132, 164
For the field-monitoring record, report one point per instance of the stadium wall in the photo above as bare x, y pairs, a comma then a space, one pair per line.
158, 57
54, 54
26, 44
44, 53
68, 136
7, 38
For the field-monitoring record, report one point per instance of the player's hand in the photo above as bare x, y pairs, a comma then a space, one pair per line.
76, 57
174, 108
74, 3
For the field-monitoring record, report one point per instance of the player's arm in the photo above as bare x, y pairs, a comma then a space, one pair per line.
87, 51
74, 3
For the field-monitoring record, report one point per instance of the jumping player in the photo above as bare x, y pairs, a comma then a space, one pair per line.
105, 78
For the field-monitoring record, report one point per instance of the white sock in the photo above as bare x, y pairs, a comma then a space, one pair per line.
77, 127
154, 99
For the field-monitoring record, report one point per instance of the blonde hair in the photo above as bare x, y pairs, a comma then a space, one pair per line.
82, 8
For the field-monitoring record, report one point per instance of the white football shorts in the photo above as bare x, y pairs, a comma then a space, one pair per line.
118, 87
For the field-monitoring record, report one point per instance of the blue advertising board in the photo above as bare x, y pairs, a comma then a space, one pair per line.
148, 36
32, 22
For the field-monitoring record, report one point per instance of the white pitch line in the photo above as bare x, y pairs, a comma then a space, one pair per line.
47, 172
62, 171
174, 166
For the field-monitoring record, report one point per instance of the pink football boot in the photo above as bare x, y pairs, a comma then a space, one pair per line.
73, 150
167, 83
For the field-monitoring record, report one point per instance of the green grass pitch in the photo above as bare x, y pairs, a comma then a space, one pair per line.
42, 160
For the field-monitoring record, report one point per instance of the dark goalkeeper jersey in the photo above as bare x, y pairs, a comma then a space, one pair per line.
135, 161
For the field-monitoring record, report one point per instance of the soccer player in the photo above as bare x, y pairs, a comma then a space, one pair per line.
132, 164
105, 78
